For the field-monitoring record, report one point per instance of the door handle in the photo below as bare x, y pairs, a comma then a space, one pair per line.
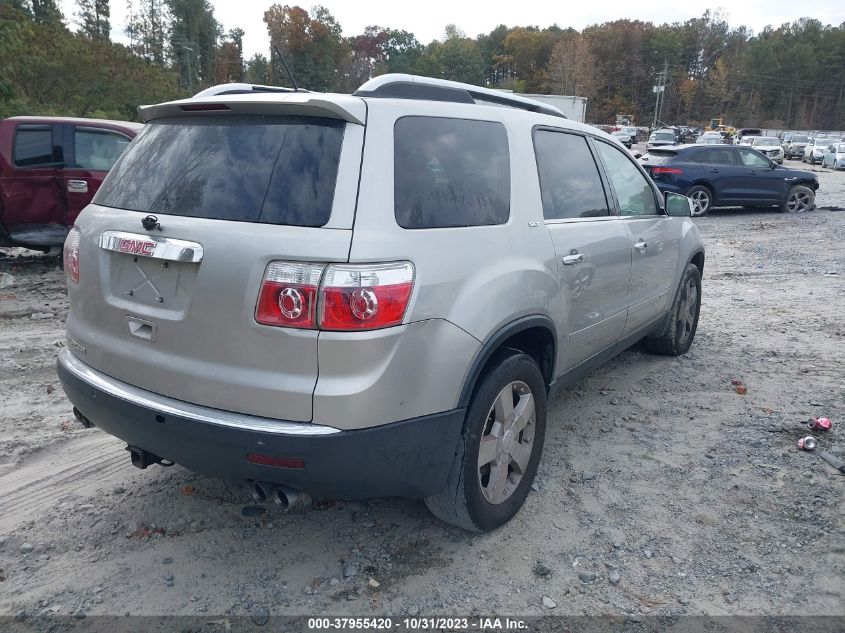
77, 186
715, 171
572, 259
641, 246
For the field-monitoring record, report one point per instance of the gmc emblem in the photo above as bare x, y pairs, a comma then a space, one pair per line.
136, 247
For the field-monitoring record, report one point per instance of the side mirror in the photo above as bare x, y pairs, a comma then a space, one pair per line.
678, 205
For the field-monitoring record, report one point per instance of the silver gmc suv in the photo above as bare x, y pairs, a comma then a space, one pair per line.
368, 294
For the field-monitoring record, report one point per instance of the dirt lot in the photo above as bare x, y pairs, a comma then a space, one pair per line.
661, 490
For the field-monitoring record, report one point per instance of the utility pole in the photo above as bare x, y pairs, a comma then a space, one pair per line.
658, 91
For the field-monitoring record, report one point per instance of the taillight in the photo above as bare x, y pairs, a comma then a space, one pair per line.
365, 296
350, 297
288, 295
70, 255
666, 170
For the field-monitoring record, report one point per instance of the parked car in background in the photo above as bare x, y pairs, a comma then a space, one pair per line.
727, 175
746, 132
366, 344
624, 137
814, 151
50, 169
661, 138
768, 146
632, 132
710, 138
793, 144
834, 156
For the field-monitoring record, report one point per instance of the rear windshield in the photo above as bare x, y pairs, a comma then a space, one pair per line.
663, 136
267, 169
799, 139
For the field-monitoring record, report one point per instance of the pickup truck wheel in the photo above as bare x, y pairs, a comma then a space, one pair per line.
676, 337
702, 200
800, 198
501, 444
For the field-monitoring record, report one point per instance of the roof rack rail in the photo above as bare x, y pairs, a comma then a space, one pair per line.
401, 86
240, 89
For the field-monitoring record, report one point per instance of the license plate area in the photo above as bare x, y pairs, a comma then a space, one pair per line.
148, 286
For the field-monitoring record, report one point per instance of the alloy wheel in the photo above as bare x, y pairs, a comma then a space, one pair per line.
507, 442
687, 311
700, 202
798, 201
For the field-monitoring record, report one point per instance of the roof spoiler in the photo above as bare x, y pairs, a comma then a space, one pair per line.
241, 89
291, 103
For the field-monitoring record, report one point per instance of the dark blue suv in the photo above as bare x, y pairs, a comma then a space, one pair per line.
729, 176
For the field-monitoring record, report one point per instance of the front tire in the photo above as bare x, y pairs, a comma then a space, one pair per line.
679, 332
798, 200
501, 444
702, 200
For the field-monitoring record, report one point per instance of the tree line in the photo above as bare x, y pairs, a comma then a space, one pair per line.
790, 76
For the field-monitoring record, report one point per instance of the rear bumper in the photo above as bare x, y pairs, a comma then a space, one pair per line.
411, 458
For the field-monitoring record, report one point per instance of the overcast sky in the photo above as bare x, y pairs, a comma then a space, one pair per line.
427, 18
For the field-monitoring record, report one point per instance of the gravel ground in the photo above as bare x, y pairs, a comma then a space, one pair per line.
661, 491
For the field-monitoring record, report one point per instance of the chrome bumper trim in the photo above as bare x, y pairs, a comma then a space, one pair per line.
171, 406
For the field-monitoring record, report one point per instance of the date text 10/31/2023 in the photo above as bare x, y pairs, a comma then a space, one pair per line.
418, 624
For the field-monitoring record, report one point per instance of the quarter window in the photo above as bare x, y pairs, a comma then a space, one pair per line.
33, 146
450, 172
570, 184
97, 149
635, 195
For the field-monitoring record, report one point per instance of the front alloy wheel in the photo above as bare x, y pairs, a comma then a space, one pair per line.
687, 314
678, 333
800, 199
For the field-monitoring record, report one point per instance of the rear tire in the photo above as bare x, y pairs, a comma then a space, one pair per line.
679, 332
798, 200
702, 200
481, 497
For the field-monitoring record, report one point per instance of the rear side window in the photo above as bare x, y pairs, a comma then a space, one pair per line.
570, 184
33, 145
450, 172
713, 157
97, 149
247, 168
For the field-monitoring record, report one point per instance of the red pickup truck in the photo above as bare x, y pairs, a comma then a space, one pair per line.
50, 168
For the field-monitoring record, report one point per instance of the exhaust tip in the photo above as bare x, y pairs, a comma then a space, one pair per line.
286, 497
258, 494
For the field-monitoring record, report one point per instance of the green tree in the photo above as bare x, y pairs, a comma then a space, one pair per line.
94, 18
46, 11
316, 52
194, 34
148, 27
257, 70
46, 69
456, 59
